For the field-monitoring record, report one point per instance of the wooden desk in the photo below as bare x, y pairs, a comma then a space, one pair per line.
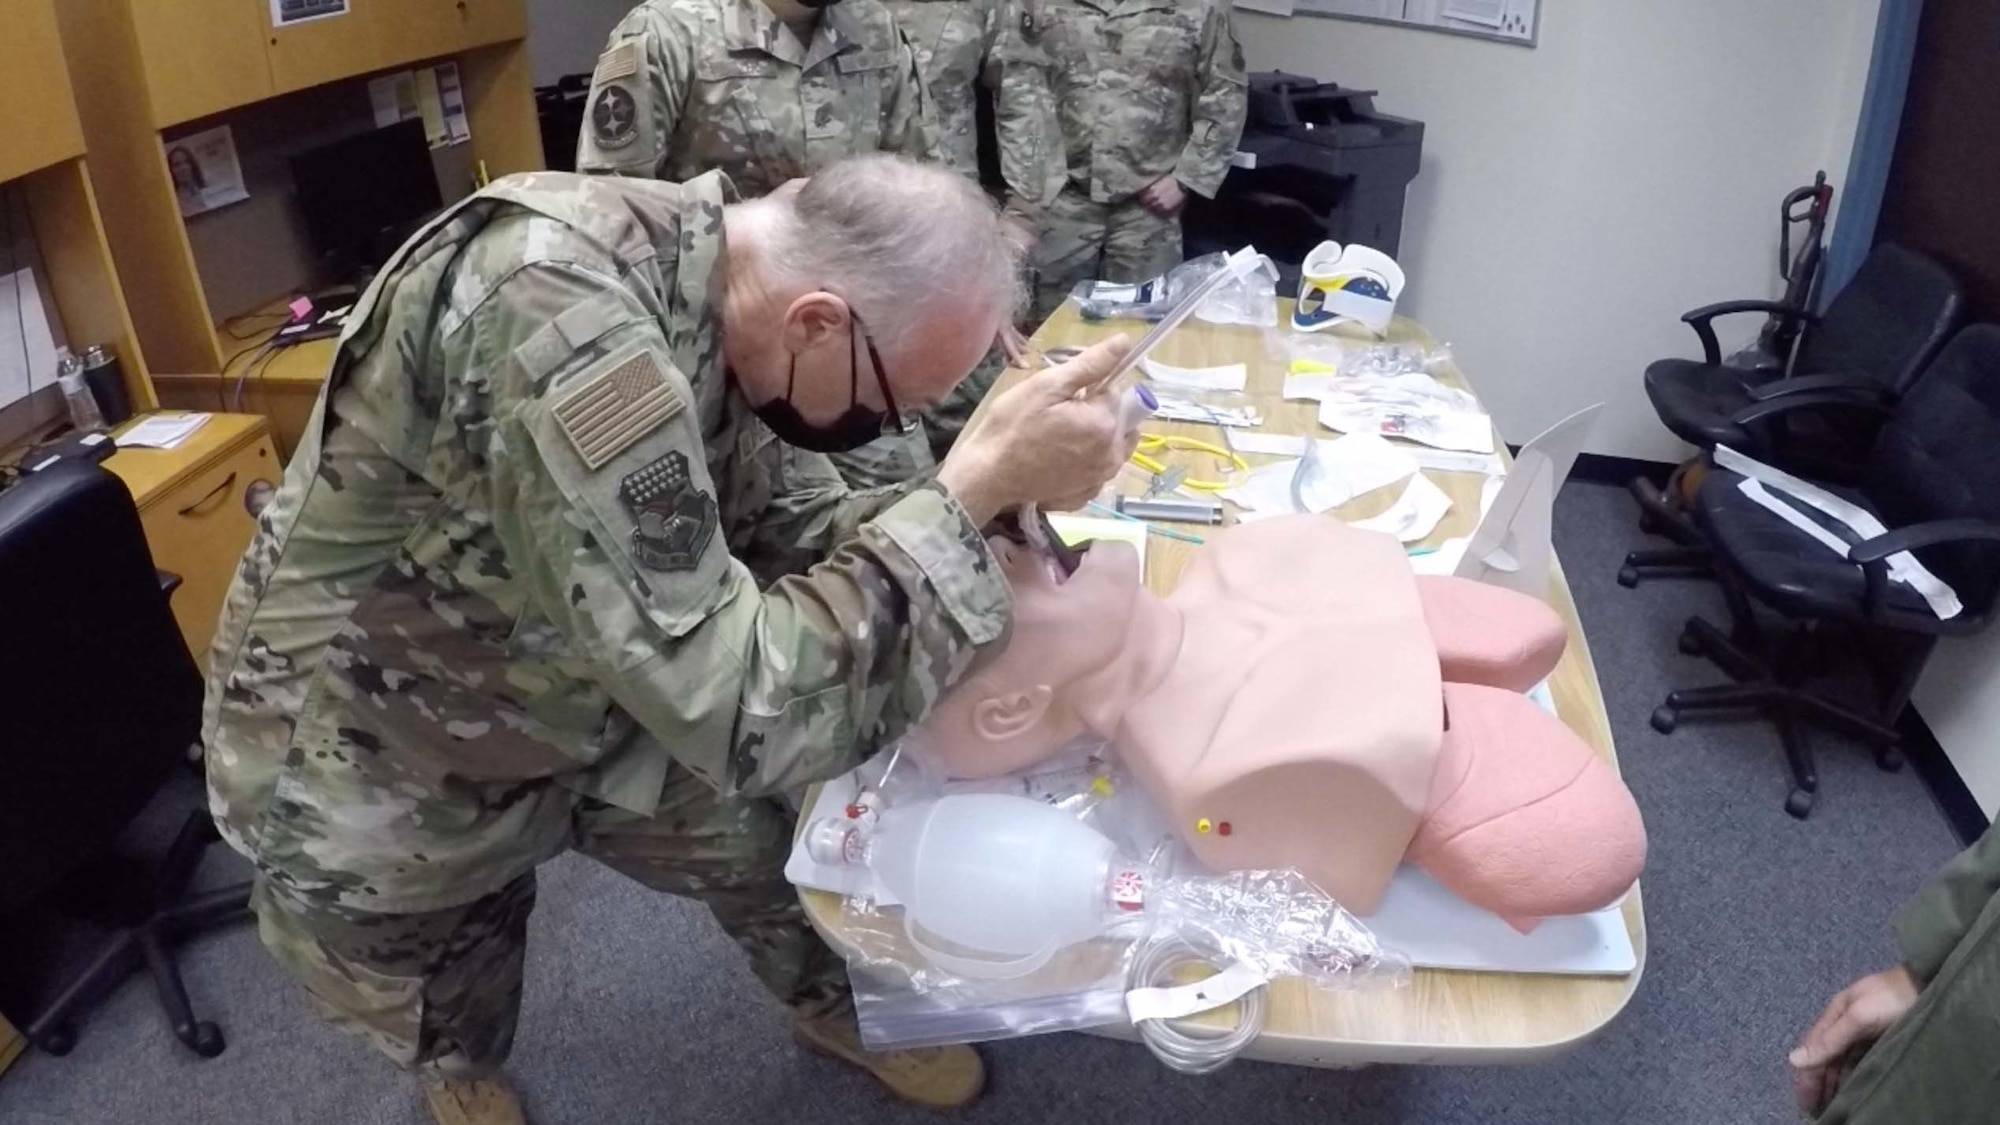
1442, 1017
191, 501
283, 387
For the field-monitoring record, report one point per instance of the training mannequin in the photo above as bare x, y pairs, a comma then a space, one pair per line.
1287, 705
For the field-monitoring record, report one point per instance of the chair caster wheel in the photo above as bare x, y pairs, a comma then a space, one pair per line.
57, 1041
1889, 761
205, 1040
1628, 577
1664, 719
1691, 643
1799, 805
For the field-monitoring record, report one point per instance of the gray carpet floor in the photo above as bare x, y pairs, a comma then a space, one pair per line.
639, 1011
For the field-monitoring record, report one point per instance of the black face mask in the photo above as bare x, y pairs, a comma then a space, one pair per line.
856, 427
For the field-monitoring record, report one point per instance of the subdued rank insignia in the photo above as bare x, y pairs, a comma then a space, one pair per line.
614, 117
605, 415
673, 520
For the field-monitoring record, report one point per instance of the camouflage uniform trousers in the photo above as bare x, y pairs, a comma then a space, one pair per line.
439, 992
1088, 241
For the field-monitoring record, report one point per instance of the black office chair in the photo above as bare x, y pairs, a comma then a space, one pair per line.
101, 702
1874, 341
1933, 479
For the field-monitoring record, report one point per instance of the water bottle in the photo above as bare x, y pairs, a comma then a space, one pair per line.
106, 377
83, 412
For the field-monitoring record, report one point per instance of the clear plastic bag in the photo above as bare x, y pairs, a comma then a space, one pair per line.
1251, 300
1132, 899
1145, 300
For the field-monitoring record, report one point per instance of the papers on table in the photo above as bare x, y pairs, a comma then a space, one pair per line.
1227, 377
1472, 433
1186, 410
163, 431
1352, 466
1415, 515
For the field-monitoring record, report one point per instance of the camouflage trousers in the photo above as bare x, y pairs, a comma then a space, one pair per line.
440, 991
1087, 241
886, 460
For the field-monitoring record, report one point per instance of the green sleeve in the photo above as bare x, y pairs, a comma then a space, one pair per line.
1931, 924
647, 68
909, 120
1220, 106
616, 531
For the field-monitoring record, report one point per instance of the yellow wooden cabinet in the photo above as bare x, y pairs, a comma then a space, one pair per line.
200, 56
192, 501
492, 21
38, 125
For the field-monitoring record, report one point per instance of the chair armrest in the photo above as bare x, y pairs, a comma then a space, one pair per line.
169, 581
1920, 535
1702, 320
1808, 400
1859, 385
1873, 554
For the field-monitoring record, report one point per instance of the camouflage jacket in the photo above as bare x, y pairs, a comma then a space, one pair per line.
691, 86
1145, 87
963, 44
523, 550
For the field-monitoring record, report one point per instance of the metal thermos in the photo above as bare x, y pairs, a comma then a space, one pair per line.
106, 377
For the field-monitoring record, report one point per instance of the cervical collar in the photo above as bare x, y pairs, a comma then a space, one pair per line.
1338, 284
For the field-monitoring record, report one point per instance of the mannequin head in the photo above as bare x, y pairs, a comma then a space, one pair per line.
1079, 656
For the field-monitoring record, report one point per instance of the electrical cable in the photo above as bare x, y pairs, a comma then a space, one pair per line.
1182, 1046
264, 357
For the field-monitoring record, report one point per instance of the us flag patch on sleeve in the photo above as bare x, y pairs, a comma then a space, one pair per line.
606, 414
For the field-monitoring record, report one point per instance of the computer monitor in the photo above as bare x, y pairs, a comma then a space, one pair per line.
363, 195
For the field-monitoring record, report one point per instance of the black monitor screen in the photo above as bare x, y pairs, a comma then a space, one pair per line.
360, 194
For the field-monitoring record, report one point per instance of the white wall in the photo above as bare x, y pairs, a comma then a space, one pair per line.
1575, 199
1959, 699
566, 36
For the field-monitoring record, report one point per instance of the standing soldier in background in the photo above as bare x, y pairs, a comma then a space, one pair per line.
1152, 99
962, 45
765, 91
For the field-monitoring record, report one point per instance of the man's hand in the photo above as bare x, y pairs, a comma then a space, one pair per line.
1012, 344
1164, 197
1050, 440
1862, 1013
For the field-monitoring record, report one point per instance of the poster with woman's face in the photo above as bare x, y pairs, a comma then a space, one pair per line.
205, 172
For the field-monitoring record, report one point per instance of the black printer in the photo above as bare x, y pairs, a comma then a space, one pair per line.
1316, 163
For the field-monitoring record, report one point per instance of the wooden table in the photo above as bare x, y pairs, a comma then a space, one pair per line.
283, 386
1442, 1017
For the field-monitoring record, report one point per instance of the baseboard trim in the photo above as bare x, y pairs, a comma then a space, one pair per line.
1927, 757
1602, 468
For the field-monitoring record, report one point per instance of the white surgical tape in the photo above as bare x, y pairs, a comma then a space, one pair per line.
1225, 987
1903, 566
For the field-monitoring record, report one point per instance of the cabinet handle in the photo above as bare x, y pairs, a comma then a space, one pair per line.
218, 490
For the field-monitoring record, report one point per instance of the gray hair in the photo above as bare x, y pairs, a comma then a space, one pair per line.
900, 241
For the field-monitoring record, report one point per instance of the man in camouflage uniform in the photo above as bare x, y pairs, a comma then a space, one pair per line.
765, 91
1152, 97
962, 45
1915, 1045
503, 604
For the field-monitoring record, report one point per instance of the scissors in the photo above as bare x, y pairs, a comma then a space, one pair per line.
1151, 444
